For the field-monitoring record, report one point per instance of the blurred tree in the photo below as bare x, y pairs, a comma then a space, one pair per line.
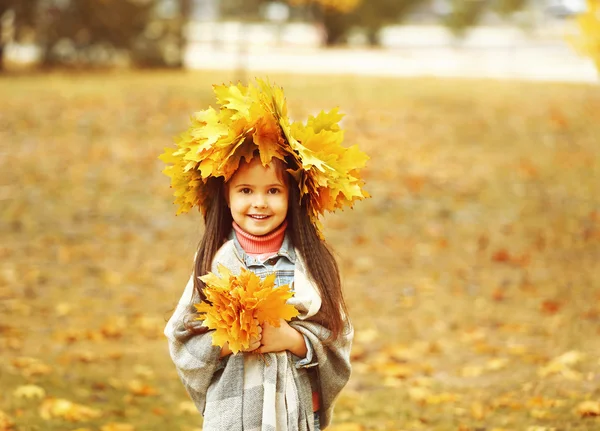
67, 30
508, 7
162, 43
17, 20
248, 10
340, 16
372, 15
335, 16
464, 14
91, 32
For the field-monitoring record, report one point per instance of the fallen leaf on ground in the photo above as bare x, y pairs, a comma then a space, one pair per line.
347, 427
588, 409
31, 366
141, 389
117, 427
6, 422
58, 408
562, 365
29, 391
187, 407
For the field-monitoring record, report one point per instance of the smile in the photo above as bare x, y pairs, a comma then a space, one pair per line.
258, 216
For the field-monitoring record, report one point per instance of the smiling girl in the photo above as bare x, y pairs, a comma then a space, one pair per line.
260, 197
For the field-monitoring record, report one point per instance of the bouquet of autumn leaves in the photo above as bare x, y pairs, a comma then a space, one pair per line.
236, 305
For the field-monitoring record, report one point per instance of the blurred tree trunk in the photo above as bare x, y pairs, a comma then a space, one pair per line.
464, 14
24, 13
369, 15
186, 12
336, 26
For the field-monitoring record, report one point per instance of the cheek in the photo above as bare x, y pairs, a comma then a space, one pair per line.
236, 204
283, 204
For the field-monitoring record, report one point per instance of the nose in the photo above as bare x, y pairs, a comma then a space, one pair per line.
259, 201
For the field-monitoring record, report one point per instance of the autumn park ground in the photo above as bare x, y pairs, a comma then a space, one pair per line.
472, 274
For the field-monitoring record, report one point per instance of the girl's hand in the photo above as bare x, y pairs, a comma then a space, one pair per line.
254, 344
279, 339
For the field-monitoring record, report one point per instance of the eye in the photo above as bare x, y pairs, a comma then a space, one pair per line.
245, 190
274, 191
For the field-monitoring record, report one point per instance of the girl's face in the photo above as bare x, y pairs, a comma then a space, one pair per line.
257, 197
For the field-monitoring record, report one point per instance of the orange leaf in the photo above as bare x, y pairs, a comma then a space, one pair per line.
550, 307
237, 305
59, 408
588, 409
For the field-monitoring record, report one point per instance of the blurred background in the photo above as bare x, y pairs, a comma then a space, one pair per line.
496, 38
471, 274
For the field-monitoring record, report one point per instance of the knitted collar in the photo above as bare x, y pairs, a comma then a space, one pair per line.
254, 244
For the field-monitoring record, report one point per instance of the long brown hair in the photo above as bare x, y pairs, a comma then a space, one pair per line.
317, 255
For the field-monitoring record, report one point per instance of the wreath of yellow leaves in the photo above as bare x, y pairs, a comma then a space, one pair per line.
255, 117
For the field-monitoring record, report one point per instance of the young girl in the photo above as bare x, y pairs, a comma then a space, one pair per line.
261, 183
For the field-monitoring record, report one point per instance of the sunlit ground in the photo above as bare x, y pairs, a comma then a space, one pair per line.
472, 274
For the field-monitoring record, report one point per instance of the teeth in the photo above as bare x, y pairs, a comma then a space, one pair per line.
259, 216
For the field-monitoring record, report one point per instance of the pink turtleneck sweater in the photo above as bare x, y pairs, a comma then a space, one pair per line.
261, 247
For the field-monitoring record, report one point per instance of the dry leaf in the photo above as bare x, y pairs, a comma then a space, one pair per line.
31, 366
347, 426
496, 364
53, 408
6, 422
478, 410
588, 409
141, 389
143, 371
29, 391
117, 427
187, 407
540, 414
237, 305
562, 365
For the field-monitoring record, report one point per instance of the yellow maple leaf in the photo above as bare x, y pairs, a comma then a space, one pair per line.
29, 391
587, 40
52, 408
236, 305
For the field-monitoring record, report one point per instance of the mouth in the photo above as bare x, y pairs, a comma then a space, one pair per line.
258, 216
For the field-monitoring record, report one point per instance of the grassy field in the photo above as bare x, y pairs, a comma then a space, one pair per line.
472, 274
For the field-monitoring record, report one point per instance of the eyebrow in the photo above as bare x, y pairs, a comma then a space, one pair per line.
252, 185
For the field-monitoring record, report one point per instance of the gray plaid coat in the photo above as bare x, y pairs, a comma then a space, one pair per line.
227, 391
